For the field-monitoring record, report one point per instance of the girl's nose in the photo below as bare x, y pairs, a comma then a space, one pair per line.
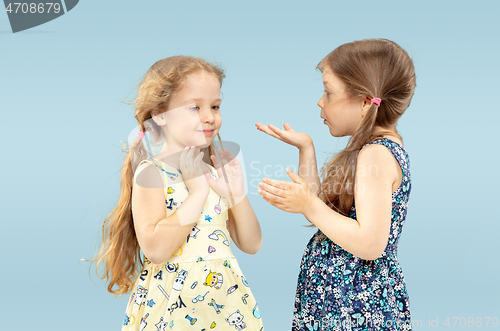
320, 103
207, 116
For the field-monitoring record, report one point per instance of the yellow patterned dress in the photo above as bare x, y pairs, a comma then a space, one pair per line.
201, 287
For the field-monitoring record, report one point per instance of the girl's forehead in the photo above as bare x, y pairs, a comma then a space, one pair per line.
200, 78
200, 86
327, 74
332, 81
329, 79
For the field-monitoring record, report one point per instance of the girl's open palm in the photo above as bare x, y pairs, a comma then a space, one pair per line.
227, 167
298, 139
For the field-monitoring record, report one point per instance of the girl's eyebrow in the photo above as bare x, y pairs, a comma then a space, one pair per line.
198, 99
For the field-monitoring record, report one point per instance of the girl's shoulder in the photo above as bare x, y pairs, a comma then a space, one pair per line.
397, 150
375, 153
148, 174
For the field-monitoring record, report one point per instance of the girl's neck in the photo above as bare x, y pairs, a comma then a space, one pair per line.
171, 154
389, 134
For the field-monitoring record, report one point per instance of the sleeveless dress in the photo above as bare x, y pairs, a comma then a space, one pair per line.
201, 287
339, 291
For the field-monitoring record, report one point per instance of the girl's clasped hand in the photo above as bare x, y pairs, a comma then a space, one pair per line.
228, 169
192, 170
199, 180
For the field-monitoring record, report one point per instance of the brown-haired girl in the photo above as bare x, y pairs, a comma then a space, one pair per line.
350, 278
178, 210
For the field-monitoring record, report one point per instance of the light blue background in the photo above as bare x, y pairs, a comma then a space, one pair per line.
62, 82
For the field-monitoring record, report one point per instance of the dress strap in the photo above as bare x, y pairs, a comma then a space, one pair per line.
397, 150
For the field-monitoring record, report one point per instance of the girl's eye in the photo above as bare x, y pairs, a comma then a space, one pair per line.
216, 107
195, 108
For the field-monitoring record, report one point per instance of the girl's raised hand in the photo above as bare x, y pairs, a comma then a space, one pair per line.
290, 197
234, 189
192, 170
298, 139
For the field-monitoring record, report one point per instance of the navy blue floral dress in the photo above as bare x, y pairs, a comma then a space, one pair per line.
339, 291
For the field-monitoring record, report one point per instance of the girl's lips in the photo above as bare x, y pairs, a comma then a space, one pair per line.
207, 132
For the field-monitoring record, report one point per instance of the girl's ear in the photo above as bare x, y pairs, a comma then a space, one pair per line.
365, 106
159, 117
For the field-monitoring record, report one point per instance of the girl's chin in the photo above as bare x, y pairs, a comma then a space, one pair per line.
203, 144
336, 134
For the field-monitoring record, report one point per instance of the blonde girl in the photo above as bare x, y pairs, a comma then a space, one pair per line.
181, 207
350, 278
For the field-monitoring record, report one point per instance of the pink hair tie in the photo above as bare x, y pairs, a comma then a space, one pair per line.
376, 101
140, 134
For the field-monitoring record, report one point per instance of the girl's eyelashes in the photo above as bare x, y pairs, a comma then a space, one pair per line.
196, 108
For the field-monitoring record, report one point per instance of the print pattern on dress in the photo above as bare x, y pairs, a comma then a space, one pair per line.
214, 280
201, 286
236, 319
339, 291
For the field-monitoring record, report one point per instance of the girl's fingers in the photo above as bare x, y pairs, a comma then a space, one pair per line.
228, 154
288, 127
198, 159
276, 183
191, 159
271, 189
283, 135
216, 161
233, 161
265, 129
276, 130
222, 156
274, 203
271, 197
189, 154
182, 160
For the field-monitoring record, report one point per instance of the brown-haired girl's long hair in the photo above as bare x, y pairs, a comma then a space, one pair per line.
373, 68
120, 251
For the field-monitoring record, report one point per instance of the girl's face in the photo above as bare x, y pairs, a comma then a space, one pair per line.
193, 118
341, 113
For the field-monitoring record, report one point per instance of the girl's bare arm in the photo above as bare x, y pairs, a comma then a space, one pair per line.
367, 237
160, 236
308, 168
244, 227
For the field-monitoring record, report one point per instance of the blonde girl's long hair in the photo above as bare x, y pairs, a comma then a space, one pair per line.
374, 68
120, 251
